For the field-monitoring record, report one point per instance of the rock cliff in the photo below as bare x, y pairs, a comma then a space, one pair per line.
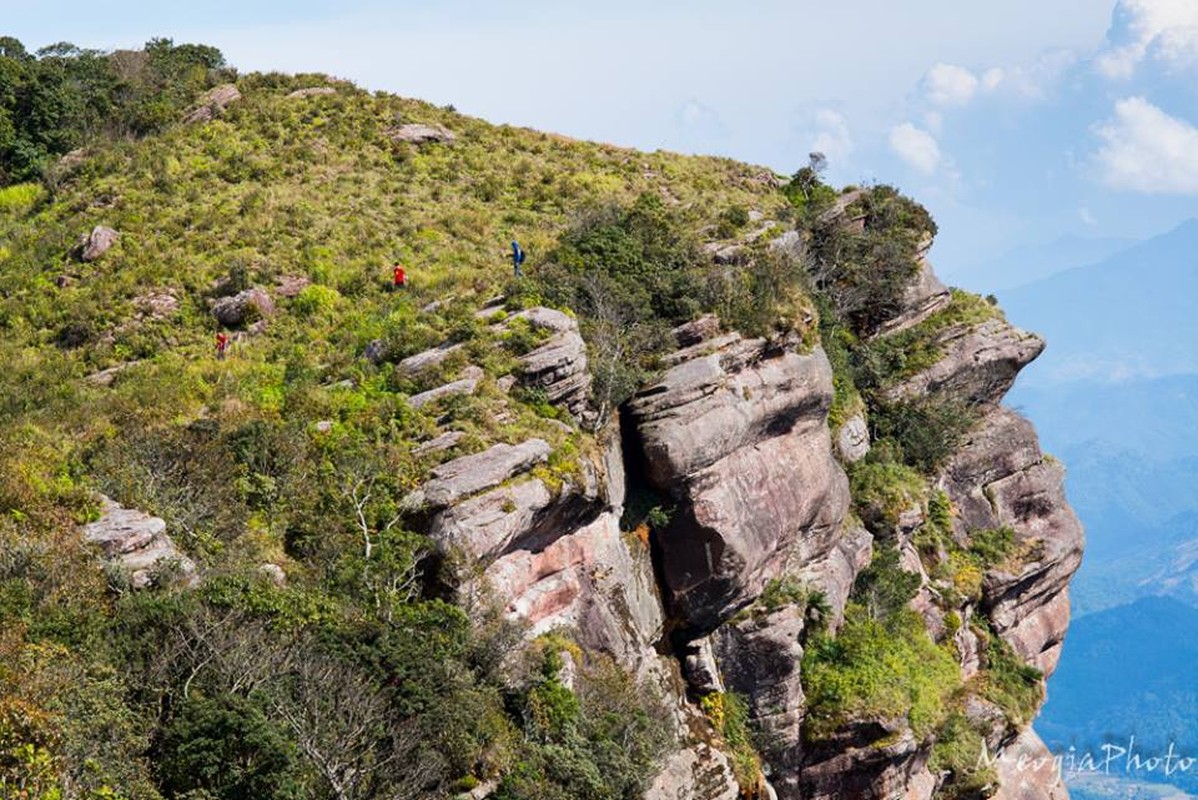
733, 441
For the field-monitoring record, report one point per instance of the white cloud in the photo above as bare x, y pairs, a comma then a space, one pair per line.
1036, 80
1166, 30
1085, 216
697, 120
950, 85
832, 136
1146, 150
991, 79
915, 146
934, 122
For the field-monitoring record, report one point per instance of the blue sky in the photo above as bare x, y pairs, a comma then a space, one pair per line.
1015, 122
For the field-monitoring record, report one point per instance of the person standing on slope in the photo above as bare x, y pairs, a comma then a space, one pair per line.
517, 259
222, 345
399, 277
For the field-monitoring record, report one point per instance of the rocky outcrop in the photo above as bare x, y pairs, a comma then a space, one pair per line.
979, 363
417, 133
427, 359
759, 656
311, 91
869, 759
925, 296
97, 243
738, 439
213, 103
466, 385
559, 365
1001, 478
734, 439
137, 544
438, 443
244, 307
694, 773
470, 475
1027, 771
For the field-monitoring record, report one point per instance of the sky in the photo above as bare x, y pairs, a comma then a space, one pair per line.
1016, 123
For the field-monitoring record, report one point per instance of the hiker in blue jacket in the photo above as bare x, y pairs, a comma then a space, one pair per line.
517, 258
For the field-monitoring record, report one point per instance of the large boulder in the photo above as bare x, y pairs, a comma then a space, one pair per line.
1027, 770
870, 759
738, 438
591, 581
244, 307
417, 133
213, 103
97, 243
759, 656
852, 440
700, 772
137, 544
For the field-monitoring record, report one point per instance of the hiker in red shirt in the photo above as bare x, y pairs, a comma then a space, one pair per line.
222, 344
401, 278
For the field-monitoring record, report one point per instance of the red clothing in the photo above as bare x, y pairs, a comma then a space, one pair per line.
222, 343
401, 279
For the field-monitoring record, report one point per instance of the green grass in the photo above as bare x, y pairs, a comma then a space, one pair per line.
878, 669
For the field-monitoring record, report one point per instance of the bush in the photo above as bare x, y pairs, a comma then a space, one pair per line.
227, 747
884, 588
925, 431
865, 273
883, 490
877, 669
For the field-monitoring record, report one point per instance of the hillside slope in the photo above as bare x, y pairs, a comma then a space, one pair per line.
716, 500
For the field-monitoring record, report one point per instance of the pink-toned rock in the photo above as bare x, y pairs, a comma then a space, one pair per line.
1027, 771
979, 364
137, 543
1000, 478
739, 439
417, 133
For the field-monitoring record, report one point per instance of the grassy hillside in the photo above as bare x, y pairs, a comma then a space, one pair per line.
229, 452
296, 449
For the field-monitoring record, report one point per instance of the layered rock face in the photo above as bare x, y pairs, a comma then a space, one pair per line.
734, 441
737, 438
1001, 478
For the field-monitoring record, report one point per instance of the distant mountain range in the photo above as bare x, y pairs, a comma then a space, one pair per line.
1132, 671
1115, 396
1130, 316
1033, 262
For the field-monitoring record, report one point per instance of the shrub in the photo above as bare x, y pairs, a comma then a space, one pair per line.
883, 490
227, 747
865, 273
877, 669
925, 431
884, 588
